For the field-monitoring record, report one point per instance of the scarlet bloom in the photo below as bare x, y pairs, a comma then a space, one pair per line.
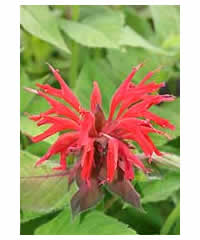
101, 147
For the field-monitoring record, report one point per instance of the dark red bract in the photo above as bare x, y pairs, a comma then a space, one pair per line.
102, 147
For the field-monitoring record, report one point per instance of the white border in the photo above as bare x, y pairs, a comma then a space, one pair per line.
190, 105
102, 2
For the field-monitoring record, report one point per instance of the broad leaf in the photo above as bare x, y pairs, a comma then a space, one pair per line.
166, 20
27, 216
138, 23
158, 190
41, 189
39, 21
123, 61
95, 223
133, 39
26, 98
98, 30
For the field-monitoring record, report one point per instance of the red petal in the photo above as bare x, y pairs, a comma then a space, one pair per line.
95, 97
88, 162
137, 94
59, 124
66, 91
121, 91
50, 90
149, 100
112, 158
87, 125
60, 108
160, 121
149, 75
63, 162
61, 144
125, 151
39, 116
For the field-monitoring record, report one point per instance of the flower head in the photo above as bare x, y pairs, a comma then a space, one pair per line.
102, 146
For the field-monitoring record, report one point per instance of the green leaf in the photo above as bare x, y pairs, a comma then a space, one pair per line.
98, 30
39, 193
138, 23
159, 190
166, 20
171, 220
26, 98
152, 218
27, 216
89, 10
122, 63
94, 223
170, 111
39, 21
133, 39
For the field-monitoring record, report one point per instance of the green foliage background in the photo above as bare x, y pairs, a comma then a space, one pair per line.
100, 43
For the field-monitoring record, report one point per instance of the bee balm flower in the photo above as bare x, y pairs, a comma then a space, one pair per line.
102, 146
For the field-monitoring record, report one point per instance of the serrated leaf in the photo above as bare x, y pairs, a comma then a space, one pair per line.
95, 223
39, 21
98, 30
159, 190
166, 20
133, 39
39, 193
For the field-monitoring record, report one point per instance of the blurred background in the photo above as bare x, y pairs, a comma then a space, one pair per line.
100, 43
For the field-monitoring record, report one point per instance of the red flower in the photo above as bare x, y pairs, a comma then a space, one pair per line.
100, 144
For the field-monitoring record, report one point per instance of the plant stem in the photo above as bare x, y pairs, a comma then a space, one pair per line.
170, 220
75, 50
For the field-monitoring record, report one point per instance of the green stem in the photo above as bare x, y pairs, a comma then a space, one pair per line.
170, 220
75, 50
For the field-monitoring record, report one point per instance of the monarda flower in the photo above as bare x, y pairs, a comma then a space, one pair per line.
103, 147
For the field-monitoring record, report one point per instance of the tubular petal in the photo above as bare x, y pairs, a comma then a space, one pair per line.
61, 144
125, 151
87, 126
158, 120
149, 75
50, 90
59, 124
112, 158
88, 162
121, 91
60, 108
66, 91
95, 97
148, 101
